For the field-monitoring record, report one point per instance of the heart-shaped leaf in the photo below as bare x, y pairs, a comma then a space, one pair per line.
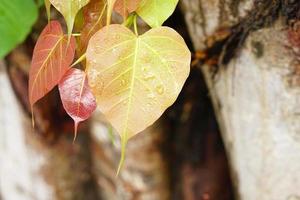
76, 96
156, 12
16, 20
69, 9
124, 7
94, 15
52, 57
136, 78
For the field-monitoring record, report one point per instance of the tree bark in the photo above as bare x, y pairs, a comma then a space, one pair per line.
251, 66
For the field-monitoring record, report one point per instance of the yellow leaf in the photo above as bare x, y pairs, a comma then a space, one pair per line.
136, 78
69, 9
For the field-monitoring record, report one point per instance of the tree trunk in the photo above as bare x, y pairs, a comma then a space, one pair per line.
249, 54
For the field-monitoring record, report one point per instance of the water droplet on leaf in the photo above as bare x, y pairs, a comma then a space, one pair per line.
160, 89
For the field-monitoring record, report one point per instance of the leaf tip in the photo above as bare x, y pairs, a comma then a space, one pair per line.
32, 117
75, 130
124, 140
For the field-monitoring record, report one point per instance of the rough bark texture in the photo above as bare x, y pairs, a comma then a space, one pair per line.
251, 67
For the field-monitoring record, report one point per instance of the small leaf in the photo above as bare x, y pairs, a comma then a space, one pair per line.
124, 7
94, 15
76, 96
16, 19
156, 12
69, 9
52, 57
136, 78
48, 9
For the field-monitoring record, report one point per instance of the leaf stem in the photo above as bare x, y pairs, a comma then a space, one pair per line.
110, 6
79, 60
76, 34
135, 24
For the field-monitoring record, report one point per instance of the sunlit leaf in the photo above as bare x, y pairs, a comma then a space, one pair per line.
48, 7
94, 15
51, 59
16, 20
69, 9
76, 96
124, 7
156, 12
136, 78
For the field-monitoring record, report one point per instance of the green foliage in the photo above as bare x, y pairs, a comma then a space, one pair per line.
16, 19
156, 12
69, 9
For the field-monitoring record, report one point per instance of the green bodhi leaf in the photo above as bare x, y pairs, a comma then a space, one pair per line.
69, 9
136, 78
156, 12
16, 19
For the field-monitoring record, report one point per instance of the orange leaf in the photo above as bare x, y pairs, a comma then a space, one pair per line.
124, 7
52, 57
94, 16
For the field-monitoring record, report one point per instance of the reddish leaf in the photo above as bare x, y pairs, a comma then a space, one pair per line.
52, 57
76, 96
124, 7
94, 16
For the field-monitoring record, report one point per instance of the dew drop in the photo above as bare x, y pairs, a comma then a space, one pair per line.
151, 96
95, 79
123, 82
145, 69
148, 76
125, 102
160, 89
148, 107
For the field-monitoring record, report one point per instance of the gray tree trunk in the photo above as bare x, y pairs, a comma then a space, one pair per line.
256, 91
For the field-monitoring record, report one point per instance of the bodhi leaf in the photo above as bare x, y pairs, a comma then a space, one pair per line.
156, 12
94, 15
16, 20
52, 57
76, 96
124, 7
69, 9
136, 78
